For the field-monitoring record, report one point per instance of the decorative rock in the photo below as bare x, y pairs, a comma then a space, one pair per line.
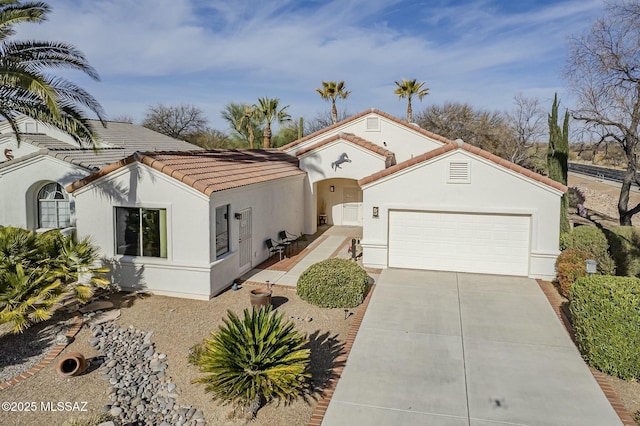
308, 319
115, 411
105, 317
94, 342
171, 386
61, 339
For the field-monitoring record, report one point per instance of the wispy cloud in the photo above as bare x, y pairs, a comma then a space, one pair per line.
210, 52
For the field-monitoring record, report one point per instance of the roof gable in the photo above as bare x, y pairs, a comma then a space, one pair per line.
374, 111
474, 150
353, 139
210, 171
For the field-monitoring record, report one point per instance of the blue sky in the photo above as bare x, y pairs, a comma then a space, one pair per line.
209, 52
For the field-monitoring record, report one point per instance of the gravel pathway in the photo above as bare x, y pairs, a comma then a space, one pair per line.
22, 351
177, 325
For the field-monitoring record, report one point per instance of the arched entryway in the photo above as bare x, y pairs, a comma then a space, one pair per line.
339, 202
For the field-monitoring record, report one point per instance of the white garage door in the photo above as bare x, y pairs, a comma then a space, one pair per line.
482, 243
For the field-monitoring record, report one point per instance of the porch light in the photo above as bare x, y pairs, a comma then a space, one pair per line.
592, 266
332, 188
375, 211
238, 216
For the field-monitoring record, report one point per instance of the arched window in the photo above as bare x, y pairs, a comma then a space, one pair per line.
53, 207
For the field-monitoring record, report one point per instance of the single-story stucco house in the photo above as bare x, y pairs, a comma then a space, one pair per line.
33, 174
189, 223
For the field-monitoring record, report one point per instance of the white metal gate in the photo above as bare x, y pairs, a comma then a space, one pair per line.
351, 207
245, 238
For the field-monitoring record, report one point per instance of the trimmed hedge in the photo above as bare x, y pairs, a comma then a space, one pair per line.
605, 312
570, 265
333, 283
594, 241
625, 249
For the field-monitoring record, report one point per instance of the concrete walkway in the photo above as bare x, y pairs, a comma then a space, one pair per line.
322, 251
448, 349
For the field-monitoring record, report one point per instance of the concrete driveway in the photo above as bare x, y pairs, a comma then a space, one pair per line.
449, 349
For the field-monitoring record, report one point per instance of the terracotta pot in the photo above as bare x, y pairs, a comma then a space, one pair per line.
72, 364
260, 297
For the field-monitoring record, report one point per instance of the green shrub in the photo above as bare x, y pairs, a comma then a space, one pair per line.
605, 311
624, 242
570, 266
333, 283
594, 241
258, 358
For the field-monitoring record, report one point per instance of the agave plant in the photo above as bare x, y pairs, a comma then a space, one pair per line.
256, 359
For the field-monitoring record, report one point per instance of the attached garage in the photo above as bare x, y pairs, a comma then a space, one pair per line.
459, 208
461, 242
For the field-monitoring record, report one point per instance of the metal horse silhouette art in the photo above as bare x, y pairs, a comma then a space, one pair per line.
342, 159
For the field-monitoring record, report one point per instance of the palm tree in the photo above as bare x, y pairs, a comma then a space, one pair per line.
243, 121
260, 357
408, 88
267, 111
38, 271
26, 88
331, 91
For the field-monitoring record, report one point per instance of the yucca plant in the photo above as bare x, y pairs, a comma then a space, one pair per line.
258, 358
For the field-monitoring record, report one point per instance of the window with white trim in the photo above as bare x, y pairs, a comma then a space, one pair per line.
54, 210
222, 230
141, 232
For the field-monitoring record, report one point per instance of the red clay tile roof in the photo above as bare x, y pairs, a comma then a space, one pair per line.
472, 149
210, 171
362, 114
390, 158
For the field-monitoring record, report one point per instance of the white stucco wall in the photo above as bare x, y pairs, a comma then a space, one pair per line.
403, 141
9, 142
317, 164
20, 182
492, 190
186, 270
191, 268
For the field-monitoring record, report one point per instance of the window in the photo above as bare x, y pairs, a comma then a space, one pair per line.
222, 230
141, 232
53, 207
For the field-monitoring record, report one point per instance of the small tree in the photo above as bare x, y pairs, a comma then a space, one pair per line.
177, 121
267, 110
260, 357
407, 89
558, 157
331, 91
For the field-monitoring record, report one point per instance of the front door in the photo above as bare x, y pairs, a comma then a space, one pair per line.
245, 239
351, 206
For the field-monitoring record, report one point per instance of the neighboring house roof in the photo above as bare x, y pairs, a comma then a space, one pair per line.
404, 123
349, 137
119, 140
210, 171
469, 148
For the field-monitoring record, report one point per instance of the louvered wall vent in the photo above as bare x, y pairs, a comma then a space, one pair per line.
459, 172
373, 124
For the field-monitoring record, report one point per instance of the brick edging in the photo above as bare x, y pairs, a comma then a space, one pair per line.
53, 353
555, 301
341, 360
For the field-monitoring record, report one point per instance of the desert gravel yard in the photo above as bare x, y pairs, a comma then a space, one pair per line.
177, 325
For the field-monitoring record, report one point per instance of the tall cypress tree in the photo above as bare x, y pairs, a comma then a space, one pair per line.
557, 158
